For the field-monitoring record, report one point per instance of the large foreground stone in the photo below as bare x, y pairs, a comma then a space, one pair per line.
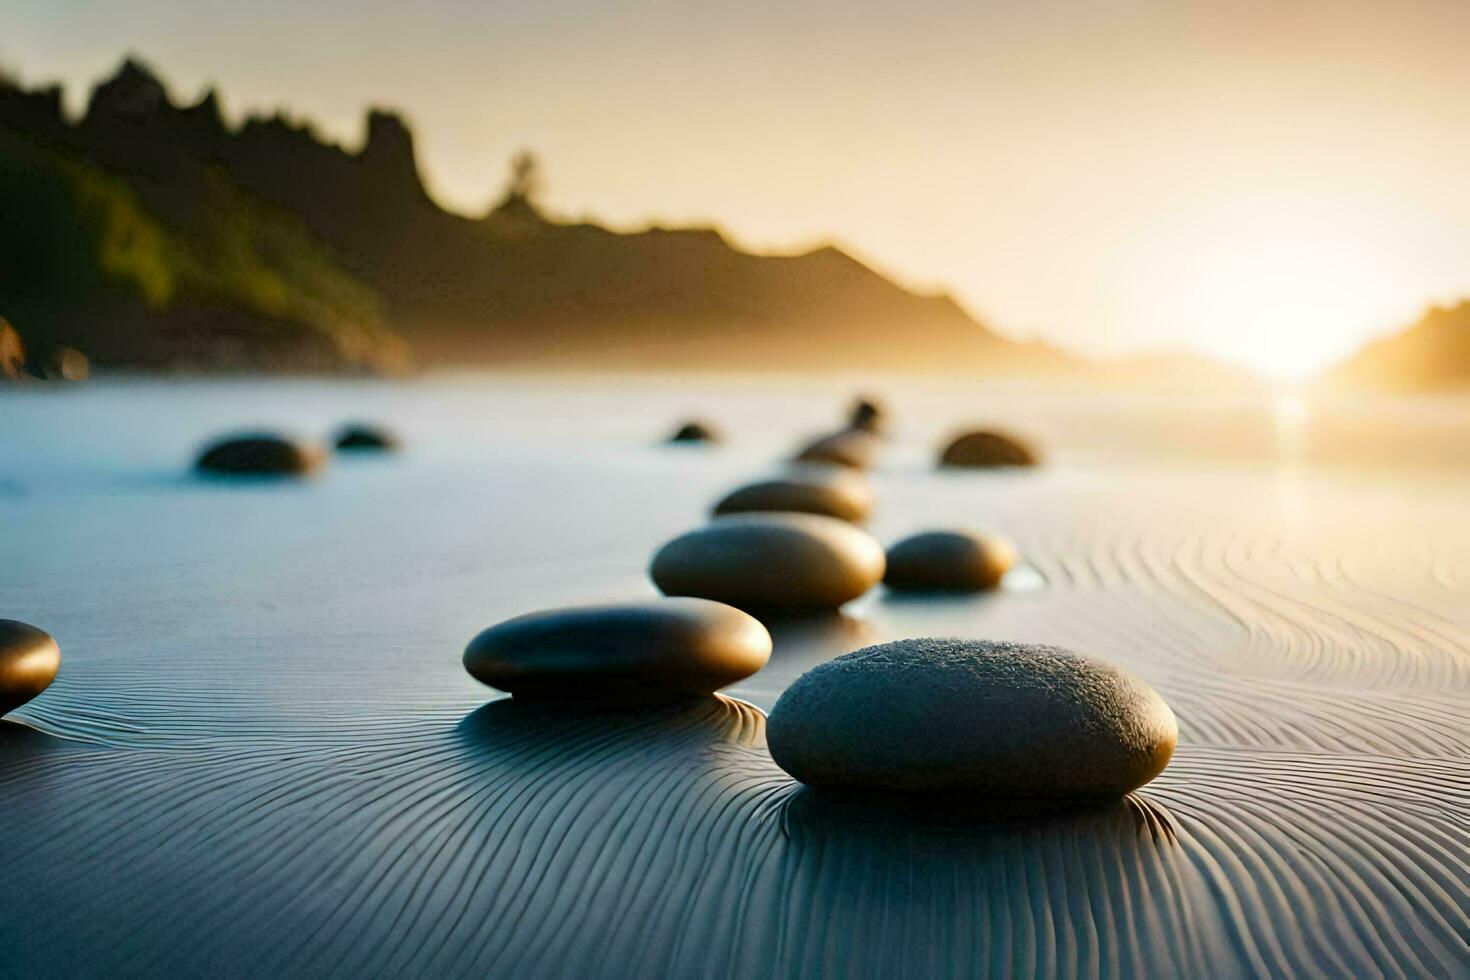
948, 561
259, 454
644, 651
29, 660
972, 718
771, 561
984, 449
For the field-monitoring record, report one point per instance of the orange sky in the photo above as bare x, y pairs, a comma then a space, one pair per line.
1266, 181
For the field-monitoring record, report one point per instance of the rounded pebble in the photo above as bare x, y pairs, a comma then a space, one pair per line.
771, 561
695, 431
983, 448
258, 455
842, 495
869, 416
948, 561
366, 438
855, 448
29, 660
641, 651
972, 718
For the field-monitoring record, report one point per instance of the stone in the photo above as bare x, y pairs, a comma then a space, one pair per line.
868, 416
29, 660
948, 561
640, 651
695, 431
12, 351
983, 448
360, 437
972, 718
258, 454
771, 562
65, 364
843, 495
854, 448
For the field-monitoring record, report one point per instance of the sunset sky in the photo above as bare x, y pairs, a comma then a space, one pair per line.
1265, 180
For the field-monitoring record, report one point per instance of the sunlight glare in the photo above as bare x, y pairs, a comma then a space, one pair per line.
1283, 287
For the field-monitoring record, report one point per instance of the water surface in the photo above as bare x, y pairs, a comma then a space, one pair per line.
263, 756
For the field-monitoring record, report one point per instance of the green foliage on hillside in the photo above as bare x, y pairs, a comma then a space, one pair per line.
154, 235
69, 228
87, 261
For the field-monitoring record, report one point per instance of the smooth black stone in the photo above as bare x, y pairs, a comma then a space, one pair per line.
843, 495
640, 651
29, 660
366, 438
972, 718
65, 364
868, 416
854, 448
259, 454
948, 561
985, 449
771, 562
696, 431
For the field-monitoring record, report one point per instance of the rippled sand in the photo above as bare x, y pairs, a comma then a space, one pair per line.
263, 757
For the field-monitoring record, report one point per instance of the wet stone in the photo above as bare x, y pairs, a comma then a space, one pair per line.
657, 650
258, 454
363, 438
771, 561
843, 495
948, 561
987, 449
854, 448
29, 660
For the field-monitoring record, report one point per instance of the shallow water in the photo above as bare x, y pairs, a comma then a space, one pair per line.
263, 756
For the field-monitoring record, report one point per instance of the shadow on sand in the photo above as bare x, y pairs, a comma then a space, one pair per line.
548, 735
811, 814
812, 638
799, 642
18, 739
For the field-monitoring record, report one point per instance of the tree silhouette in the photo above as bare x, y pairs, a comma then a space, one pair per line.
525, 179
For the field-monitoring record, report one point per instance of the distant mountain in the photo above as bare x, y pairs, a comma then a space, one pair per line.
122, 241
151, 235
1431, 355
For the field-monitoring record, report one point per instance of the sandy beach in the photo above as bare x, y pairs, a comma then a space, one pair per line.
263, 757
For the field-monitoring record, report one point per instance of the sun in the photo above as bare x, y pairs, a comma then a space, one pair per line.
1286, 301
1281, 286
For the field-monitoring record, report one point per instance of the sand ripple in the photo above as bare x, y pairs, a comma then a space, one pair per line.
529, 841
251, 766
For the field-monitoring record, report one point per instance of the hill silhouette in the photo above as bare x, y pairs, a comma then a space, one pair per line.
150, 234
1433, 354
126, 240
